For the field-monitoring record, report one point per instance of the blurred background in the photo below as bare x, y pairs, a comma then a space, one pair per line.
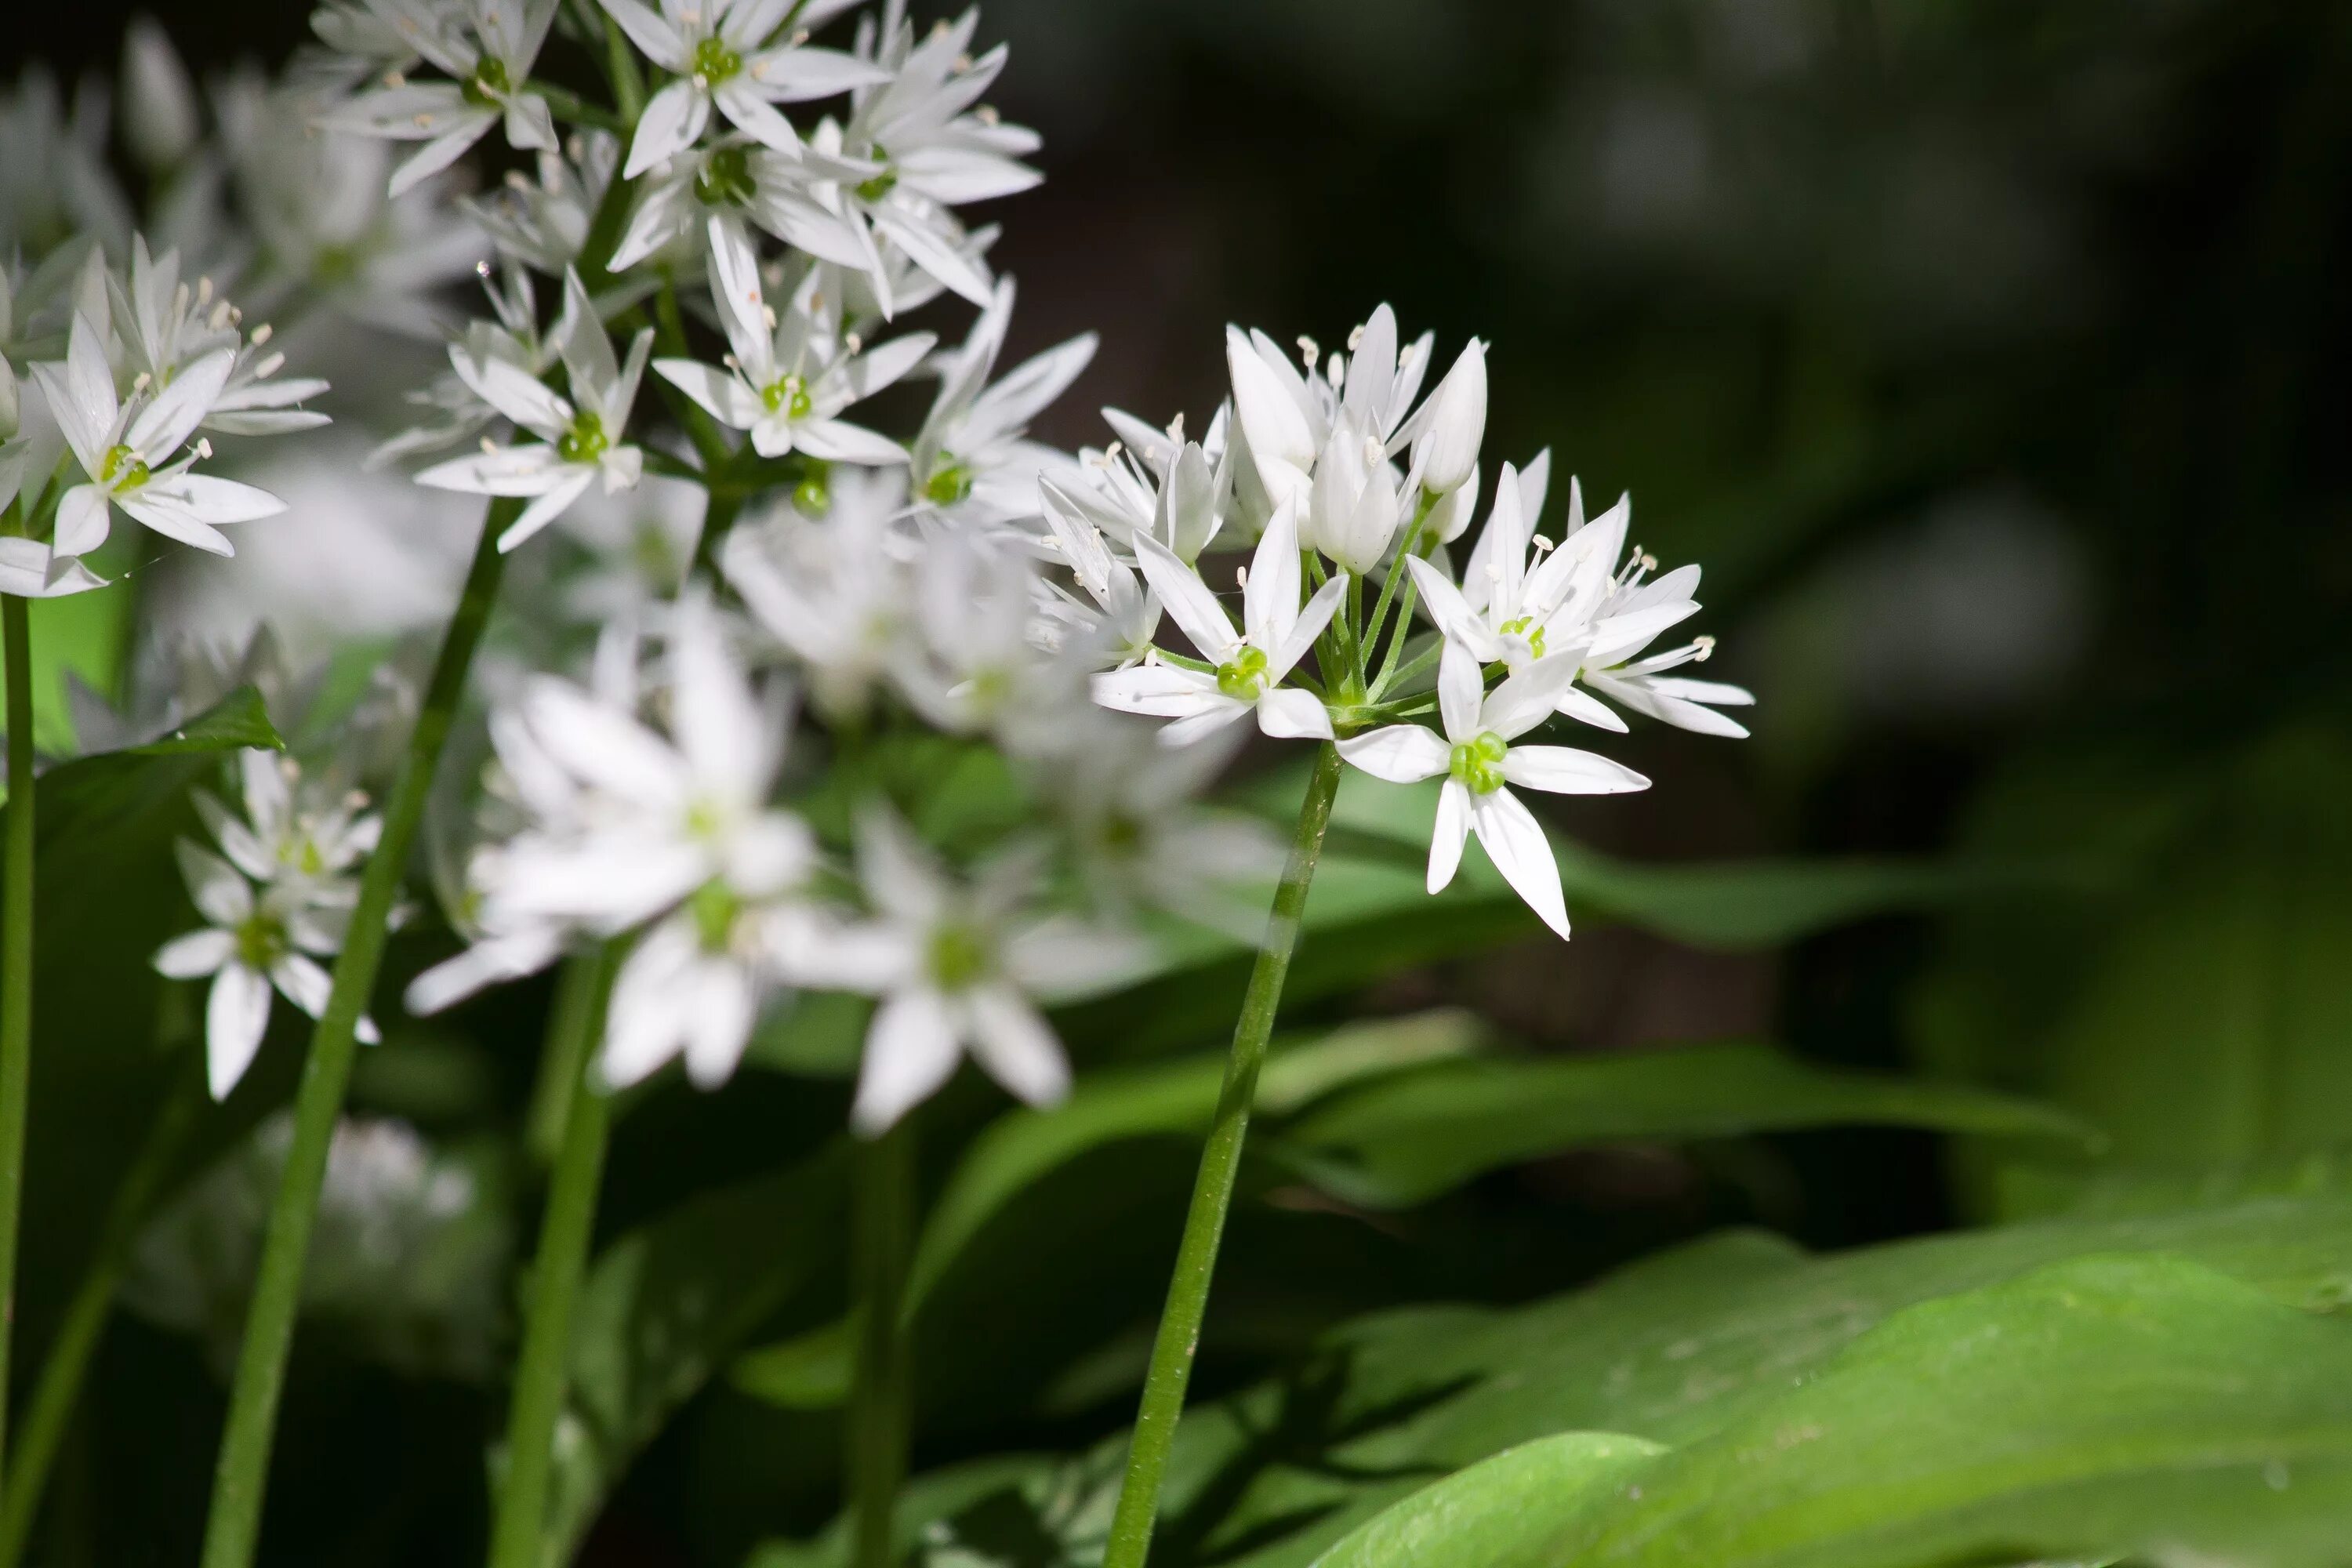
1991, 357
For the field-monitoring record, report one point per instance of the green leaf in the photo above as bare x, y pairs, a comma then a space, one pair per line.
1409, 1138
236, 722
2109, 1405
807, 1372
666, 1305
1501, 1512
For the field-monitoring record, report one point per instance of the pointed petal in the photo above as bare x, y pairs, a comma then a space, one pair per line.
910, 1050
1188, 599
1446, 841
1400, 754
1288, 713
1515, 841
1460, 688
1563, 770
236, 1014
672, 122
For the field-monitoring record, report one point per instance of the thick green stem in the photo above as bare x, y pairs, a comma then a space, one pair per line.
718, 519
1179, 1339
242, 1478
15, 962
541, 1380
63, 1370
880, 1382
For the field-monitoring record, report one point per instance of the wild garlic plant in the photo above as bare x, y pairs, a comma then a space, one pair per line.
699, 274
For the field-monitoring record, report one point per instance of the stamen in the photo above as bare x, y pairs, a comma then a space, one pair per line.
1241, 576
1541, 545
395, 78
204, 448
1705, 647
516, 181
1176, 430
986, 114
1308, 352
1356, 338
261, 334
768, 314
270, 366
487, 448
482, 271
855, 343
203, 292
139, 383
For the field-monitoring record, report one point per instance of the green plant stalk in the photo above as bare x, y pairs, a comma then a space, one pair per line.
878, 1423
1179, 1338
16, 963
63, 1370
578, 988
1388, 595
718, 521
233, 1528
541, 1373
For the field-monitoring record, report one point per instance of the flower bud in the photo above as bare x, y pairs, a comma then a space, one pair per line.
1446, 450
1352, 511
159, 102
1188, 503
1279, 436
1449, 517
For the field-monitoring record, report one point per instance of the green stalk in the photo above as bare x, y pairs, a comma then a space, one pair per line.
521, 1518
50, 1411
878, 1424
15, 962
1179, 1338
233, 1525
1388, 595
718, 519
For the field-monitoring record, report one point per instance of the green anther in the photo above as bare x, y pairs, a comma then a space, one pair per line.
714, 907
1525, 626
585, 441
489, 85
812, 496
958, 957
1477, 764
949, 484
714, 62
260, 941
789, 396
1243, 677
123, 468
726, 178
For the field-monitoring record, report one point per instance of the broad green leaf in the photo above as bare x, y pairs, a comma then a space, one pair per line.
2108, 1406
807, 1372
664, 1306
237, 721
1411, 1137
1501, 1512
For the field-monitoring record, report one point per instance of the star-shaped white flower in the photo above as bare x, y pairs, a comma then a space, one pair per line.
489, 47
971, 458
956, 967
735, 176
580, 436
1479, 762
1249, 664
791, 372
128, 450
719, 51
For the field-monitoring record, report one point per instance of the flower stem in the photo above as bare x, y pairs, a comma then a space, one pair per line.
1173, 1349
718, 521
877, 1427
63, 1370
15, 961
234, 1526
520, 1518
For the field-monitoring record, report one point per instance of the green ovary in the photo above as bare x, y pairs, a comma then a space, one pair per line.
1477, 764
585, 441
957, 957
789, 398
488, 86
714, 907
726, 178
949, 484
260, 942
1243, 677
714, 62
813, 494
122, 468
1525, 627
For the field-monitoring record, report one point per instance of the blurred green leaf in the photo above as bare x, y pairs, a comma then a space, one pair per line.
237, 721
1405, 1140
1501, 1512
807, 1372
2112, 1404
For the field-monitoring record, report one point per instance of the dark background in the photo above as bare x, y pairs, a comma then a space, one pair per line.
1989, 357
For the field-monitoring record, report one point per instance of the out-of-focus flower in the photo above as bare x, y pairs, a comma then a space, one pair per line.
488, 48
720, 53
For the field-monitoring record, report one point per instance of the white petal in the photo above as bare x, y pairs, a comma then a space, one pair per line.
165, 424
910, 1050
1270, 599
531, 470
81, 521
1188, 599
662, 43
721, 392
1288, 713
604, 747
651, 996
1271, 419
1214, 718
1452, 612
1015, 1044
1284, 656
303, 982
672, 121
197, 953
1461, 690
175, 522
1400, 753
236, 1014
869, 957
1160, 691
1529, 696
797, 75
1445, 840
572, 482
719, 725
81, 395
439, 154
1587, 709
721, 1007
215, 500
1515, 841
838, 441
750, 111
513, 392
742, 304
897, 870
1563, 770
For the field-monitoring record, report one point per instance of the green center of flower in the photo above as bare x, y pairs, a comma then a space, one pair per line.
958, 956
726, 178
1243, 677
789, 398
714, 907
714, 62
880, 186
949, 484
1525, 629
489, 85
813, 494
260, 941
123, 468
1122, 836
585, 440
1477, 764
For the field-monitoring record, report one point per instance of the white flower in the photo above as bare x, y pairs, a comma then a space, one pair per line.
791, 372
1632, 613
1351, 510
837, 593
159, 101
955, 966
1128, 804
31, 570
716, 50
1124, 616
544, 222
489, 47
1452, 424
1478, 761
458, 414
278, 904
165, 326
1249, 665
735, 175
1285, 417
580, 436
970, 459
128, 450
